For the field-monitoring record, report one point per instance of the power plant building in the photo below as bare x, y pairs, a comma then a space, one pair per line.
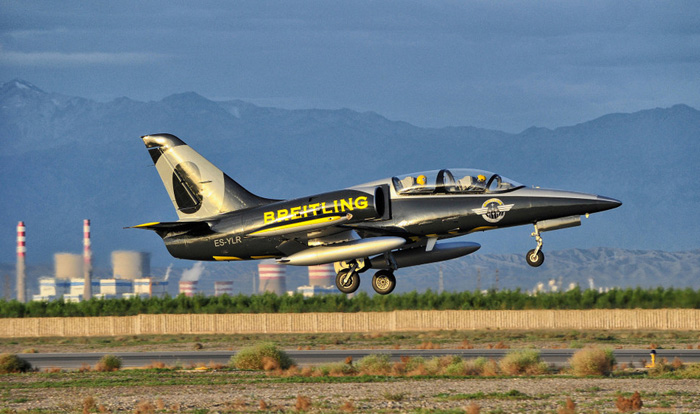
115, 287
272, 278
51, 288
149, 287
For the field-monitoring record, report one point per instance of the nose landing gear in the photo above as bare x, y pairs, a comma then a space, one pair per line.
535, 257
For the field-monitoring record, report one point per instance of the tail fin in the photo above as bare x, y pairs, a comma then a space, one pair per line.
196, 187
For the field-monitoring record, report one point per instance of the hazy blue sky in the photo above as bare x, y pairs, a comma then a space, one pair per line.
502, 65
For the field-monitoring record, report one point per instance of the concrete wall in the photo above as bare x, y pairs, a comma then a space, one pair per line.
398, 321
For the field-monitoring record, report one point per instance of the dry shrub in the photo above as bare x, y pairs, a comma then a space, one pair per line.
652, 346
237, 405
10, 363
306, 371
303, 403
428, 345
52, 370
108, 363
175, 407
262, 405
145, 407
623, 366
501, 345
465, 345
29, 351
156, 365
592, 361
472, 408
569, 407
524, 362
396, 346
374, 364
677, 363
102, 409
259, 356
160, 404
348, 407
627, 405
348, 360
490, 368
84, 367
197, 346
88, 404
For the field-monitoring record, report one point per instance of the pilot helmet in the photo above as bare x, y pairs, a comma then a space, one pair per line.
481, 178
420, 179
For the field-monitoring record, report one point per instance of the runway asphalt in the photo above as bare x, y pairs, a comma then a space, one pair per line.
557, 357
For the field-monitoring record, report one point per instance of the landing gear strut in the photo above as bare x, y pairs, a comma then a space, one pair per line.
348, 279
535, 257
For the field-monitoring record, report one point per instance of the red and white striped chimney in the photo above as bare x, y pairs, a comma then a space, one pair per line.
21, 269
87, 261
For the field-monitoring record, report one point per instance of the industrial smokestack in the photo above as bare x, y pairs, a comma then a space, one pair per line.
21, 270
87, 260
272, 278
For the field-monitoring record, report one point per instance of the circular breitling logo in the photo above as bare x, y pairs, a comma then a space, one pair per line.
493, 210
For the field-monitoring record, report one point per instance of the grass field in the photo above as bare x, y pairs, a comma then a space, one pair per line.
217, 389
406, 340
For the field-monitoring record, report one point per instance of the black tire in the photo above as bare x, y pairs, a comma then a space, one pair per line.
535, 260
384, 282
350, 285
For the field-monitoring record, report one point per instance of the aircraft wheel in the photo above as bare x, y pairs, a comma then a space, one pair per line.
535, 260
384, 282
347, 281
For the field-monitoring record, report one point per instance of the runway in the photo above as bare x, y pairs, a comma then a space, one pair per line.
556, 357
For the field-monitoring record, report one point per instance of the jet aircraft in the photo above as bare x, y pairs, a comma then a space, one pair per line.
384, 225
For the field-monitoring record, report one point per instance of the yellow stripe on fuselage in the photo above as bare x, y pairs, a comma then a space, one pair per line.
224, 258
299, 224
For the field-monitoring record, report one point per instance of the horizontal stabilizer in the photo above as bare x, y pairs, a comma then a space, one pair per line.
172, 226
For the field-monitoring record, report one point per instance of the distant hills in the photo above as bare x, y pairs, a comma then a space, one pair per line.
68, 158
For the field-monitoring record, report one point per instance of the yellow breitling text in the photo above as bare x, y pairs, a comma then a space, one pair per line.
337, 206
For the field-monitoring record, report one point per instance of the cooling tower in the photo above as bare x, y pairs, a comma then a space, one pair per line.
188, 287
321, 275
21, 269
223, 288
272, 278
68, 266
130, 265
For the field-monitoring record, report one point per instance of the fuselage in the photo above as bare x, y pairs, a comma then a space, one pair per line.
379, 208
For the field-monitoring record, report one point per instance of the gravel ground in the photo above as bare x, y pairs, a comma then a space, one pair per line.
545, 395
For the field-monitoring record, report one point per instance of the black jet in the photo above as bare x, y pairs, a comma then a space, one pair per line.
384, 225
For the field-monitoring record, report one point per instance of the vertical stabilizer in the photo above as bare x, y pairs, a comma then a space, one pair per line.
196, 187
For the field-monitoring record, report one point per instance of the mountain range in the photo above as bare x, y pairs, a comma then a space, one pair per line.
67, 158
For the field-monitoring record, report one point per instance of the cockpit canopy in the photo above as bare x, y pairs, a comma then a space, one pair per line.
453, 181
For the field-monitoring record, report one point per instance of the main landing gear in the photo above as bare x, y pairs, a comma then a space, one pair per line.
348, 277
535, 257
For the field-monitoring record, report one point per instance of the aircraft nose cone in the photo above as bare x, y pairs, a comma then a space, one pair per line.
607, 203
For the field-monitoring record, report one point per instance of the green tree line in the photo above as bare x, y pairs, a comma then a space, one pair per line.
629, 298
